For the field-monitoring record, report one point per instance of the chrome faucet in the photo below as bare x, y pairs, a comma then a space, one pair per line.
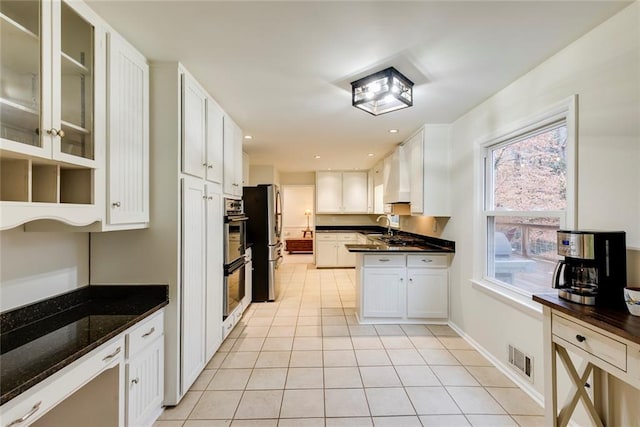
388, 222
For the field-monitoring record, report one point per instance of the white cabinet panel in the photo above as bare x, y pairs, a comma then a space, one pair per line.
341, 192
383, 292
326, 255
128, 141
193, 127
193, 281
427, 293
232, 168
329, 192
144, 382
214, 142
215, 274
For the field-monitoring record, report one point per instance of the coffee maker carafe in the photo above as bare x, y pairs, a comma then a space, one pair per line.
594, 271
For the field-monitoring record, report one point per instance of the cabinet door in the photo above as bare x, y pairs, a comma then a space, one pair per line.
193, 281
354, 192
193, 127
215, 138
328, 192
427, 293
344, 257
232, 151
326, 254
383, 292
128, 143
145, 385
214, 225
415, 147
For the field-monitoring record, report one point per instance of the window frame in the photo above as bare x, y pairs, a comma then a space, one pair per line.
564, 111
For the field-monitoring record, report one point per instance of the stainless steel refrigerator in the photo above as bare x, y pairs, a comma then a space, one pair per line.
263, 206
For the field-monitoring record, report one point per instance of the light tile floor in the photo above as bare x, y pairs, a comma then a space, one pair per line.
305, 361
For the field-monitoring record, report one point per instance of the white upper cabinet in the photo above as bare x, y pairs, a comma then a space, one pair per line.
50, 56
128, 142
52, 111
194, 119
232, 181
214, 141
341, 192
396, 177
428, 153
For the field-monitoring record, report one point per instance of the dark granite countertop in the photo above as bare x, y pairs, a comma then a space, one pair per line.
615, 320
40, 339
382, 248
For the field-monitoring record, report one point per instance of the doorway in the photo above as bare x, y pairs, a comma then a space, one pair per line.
298, 221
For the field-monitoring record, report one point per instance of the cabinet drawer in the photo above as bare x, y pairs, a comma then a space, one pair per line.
325, 236
145, 333
433, 261
346, 237
599, 345
384, 260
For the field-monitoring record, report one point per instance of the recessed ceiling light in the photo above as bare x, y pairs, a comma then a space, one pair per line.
393, 130
248, 137
370, 154
316, 157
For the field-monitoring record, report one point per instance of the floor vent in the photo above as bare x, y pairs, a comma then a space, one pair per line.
521, 362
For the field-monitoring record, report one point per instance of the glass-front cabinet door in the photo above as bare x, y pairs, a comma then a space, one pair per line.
47, 81
21, 77
75, 103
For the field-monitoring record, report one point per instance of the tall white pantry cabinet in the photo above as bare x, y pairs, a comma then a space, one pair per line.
183, 244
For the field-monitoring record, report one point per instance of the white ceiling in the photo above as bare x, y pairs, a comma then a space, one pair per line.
282, 69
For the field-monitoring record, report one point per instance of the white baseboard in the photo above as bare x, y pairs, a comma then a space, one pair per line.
523, 384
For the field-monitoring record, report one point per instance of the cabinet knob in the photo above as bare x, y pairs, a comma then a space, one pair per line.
210, 198
205, 165
401, 279
115, 204
210, 165
52, 131
61, 133
136, 380
580, 338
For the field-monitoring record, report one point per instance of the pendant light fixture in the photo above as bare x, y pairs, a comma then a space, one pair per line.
382, 92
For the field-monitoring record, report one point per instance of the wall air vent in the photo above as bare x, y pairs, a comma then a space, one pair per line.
520, 361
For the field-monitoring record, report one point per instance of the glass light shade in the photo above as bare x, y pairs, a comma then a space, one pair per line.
385, 91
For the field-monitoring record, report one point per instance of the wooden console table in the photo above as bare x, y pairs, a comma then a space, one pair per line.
299, 246
608, 340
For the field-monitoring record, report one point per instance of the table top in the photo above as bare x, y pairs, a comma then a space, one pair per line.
615, 320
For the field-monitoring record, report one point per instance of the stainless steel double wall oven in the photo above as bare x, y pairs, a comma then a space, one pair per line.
235, 231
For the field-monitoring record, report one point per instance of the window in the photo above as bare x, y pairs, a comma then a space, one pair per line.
528, 197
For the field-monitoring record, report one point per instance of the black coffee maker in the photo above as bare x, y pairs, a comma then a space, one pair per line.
594, 271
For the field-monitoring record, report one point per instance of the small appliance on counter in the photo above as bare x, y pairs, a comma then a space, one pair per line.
594, 270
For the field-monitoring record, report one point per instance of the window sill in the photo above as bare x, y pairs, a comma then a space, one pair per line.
518, 300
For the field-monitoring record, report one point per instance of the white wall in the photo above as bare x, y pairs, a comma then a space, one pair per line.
35, 266
603, 69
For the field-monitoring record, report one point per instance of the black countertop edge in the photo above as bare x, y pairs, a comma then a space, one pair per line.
445, 245
382, 248
616, 320
147, 299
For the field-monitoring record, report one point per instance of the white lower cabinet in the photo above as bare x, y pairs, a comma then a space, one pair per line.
145, 372
383, 292
401, 288
331, 252
427, 293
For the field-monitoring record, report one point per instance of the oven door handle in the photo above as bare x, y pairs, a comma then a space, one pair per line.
229, 269
228, 219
